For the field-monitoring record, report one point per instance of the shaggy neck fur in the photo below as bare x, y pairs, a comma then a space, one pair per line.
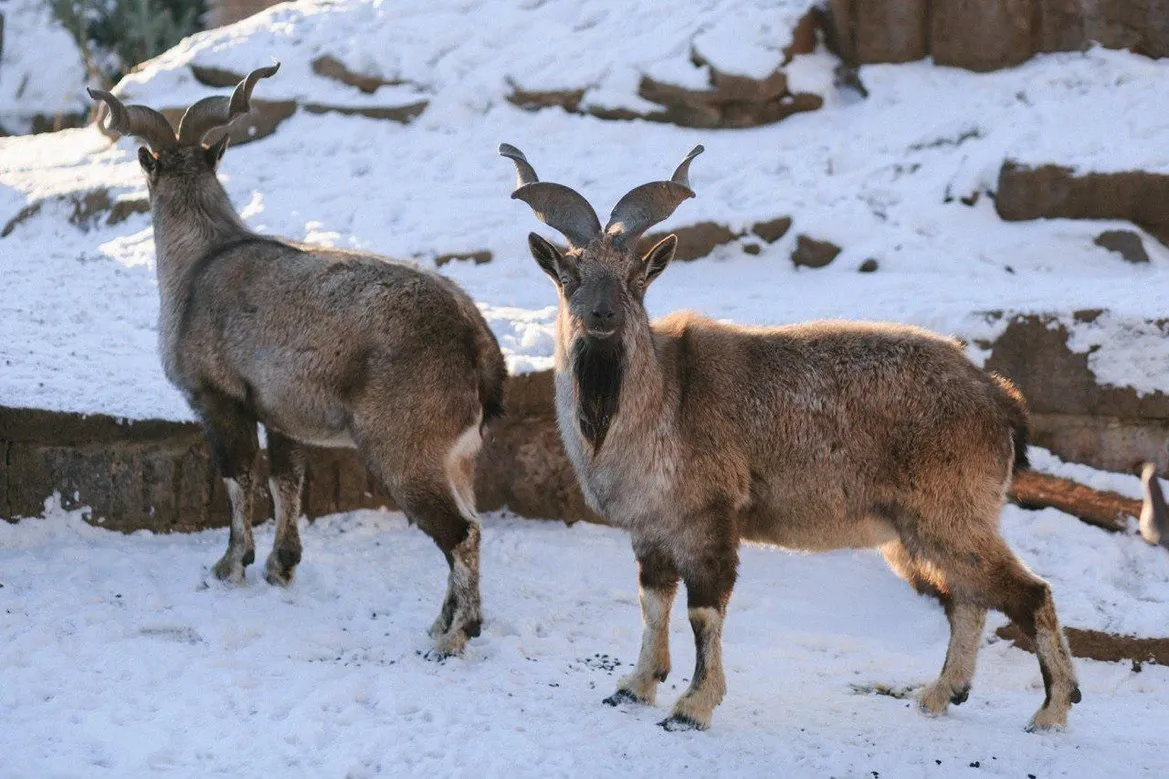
599, 368
188, 224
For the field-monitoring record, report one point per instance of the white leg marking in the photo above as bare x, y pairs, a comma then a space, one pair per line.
240, 547
460, 469
464, 583
653, 663
709, 685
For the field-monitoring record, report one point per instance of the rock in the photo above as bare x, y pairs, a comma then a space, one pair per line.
403, 113
772, 230
534, 100
122, 209
211, 76
730, 100
868, 266
328, 66
890, 31
752, 248
990, 34
480, 257
1072, 413
811, 253
1048, 191
85, 209
694, 241
980, 36
1126, 243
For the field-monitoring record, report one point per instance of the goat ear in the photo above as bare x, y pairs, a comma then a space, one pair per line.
546, 255
147, 160
215, 151
657, 258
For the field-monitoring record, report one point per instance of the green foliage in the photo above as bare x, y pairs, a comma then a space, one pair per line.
116, 35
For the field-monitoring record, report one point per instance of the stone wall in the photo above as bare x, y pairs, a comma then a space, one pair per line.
989, 34
158, 475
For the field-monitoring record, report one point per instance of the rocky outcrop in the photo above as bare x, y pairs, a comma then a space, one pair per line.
158, 476
86, 209
729, 100
266, 115
991, 34
1047, 191
1073, 413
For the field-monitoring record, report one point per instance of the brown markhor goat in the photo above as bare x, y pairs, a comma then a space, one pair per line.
324, 347
696, 435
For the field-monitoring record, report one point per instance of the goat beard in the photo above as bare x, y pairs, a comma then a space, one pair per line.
599, 368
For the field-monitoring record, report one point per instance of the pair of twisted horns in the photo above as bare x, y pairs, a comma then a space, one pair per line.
566, 210
198, 120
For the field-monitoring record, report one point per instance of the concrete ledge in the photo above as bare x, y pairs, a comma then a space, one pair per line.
157, 475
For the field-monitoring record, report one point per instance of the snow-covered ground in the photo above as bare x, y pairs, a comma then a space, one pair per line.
123, 658
41, 71
881, 177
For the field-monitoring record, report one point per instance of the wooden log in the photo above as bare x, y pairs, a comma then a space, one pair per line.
1097, 645
1101, 508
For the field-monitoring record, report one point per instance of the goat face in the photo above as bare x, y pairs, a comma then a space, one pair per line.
601, 279
602, 286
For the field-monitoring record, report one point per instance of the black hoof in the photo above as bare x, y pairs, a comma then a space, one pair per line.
288, 557
621, 696
473, 628
435, 656
959, 697
661, 675
249, 557
1076, 697
679, 722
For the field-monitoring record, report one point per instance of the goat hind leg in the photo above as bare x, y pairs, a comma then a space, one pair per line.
966, 623
991, 575
658, 579
953, 686
231, 433
435, 510
285, 480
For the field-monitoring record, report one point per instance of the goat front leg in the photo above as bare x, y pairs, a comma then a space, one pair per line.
285, 480
709, 578
658, 580
231, 432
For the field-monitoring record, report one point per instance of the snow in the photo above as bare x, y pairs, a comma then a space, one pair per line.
881, 177
41, 72
125, 658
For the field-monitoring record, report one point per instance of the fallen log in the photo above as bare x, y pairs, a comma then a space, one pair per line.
1102, 508
1097, 645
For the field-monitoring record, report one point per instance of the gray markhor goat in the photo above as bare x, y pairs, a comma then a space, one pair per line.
324, 347
696, 435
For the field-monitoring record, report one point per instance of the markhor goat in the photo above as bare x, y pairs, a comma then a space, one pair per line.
324, 347
696, 435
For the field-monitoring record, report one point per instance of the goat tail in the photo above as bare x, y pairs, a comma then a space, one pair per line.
492, 369
1014, 406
